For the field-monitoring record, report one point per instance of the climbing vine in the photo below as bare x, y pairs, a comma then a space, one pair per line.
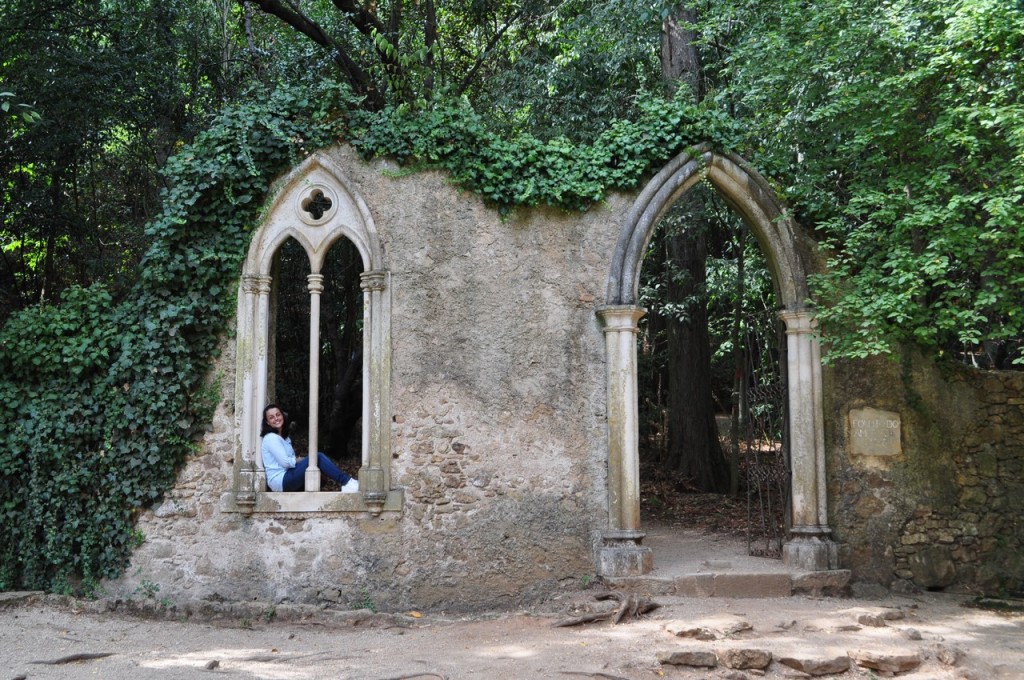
102, 400
526, 171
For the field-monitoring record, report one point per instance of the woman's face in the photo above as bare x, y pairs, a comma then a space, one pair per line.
274, 418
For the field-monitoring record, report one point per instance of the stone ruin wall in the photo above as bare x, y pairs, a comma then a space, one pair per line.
945, 513
499, 442
498, 433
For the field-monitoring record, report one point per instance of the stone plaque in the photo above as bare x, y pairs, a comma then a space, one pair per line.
874, 432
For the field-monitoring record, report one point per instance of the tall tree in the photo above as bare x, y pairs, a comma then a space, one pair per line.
694, 447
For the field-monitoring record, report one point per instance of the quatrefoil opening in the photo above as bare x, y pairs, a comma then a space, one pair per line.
317, 204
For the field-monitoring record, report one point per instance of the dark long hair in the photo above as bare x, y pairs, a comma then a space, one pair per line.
265, 427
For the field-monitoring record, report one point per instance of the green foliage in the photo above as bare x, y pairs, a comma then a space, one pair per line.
897, 133
525, 171
365, 601
15, 109
580, 69
115, 87
102, 398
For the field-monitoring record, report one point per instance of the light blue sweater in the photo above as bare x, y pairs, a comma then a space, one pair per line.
278, 456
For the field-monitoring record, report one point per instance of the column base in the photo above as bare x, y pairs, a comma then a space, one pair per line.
312, 479
246, 496
811, 553
620, 554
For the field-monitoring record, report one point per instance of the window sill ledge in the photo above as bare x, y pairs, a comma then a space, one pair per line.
332, 502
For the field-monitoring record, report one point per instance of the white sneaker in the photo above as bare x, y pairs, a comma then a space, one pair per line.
351, 486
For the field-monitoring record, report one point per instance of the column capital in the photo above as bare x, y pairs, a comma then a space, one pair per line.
618, 318
798, 322
315, 283
252, 283
373, 280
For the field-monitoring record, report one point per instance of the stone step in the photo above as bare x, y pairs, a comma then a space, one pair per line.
833, 583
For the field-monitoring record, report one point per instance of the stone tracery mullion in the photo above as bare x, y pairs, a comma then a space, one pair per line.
315, 287
263, 287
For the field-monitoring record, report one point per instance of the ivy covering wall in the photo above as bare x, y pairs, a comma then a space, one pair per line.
102, 399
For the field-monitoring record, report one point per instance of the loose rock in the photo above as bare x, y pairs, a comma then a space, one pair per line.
689, 658
884, 661
948, 656
817, 665
733, 675
713, 628
743, 657
873, 620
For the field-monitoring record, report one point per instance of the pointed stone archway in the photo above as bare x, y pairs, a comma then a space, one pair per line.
810, 546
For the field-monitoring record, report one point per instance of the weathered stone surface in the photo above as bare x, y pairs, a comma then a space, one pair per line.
761, 585
693, 658
949, 656
817, 664
875, 617
744, 657
686, 630
892, 662
18, 598
932, 567
955, 470
833, 583
873, 620
733, 675
695, 585
625, 560
874, 432
503, 473
912, 633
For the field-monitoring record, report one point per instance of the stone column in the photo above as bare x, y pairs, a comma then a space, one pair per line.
621, 553
810, 546
316, 287
248, 467
259, 342
374, 481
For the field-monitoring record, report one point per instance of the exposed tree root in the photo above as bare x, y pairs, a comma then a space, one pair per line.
630, 607
72, 658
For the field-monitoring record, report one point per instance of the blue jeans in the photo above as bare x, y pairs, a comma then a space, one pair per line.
295, 478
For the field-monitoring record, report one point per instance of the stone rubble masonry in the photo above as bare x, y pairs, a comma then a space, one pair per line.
946, 513
498, 435
978, 540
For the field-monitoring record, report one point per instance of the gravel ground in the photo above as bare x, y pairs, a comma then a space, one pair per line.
51, 637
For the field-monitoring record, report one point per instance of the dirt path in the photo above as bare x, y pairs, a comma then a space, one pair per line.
949, 640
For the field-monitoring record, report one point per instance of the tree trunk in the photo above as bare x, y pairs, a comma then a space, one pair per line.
680, 62
739, 388
694, 447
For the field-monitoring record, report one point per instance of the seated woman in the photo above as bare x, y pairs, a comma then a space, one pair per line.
284, 472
